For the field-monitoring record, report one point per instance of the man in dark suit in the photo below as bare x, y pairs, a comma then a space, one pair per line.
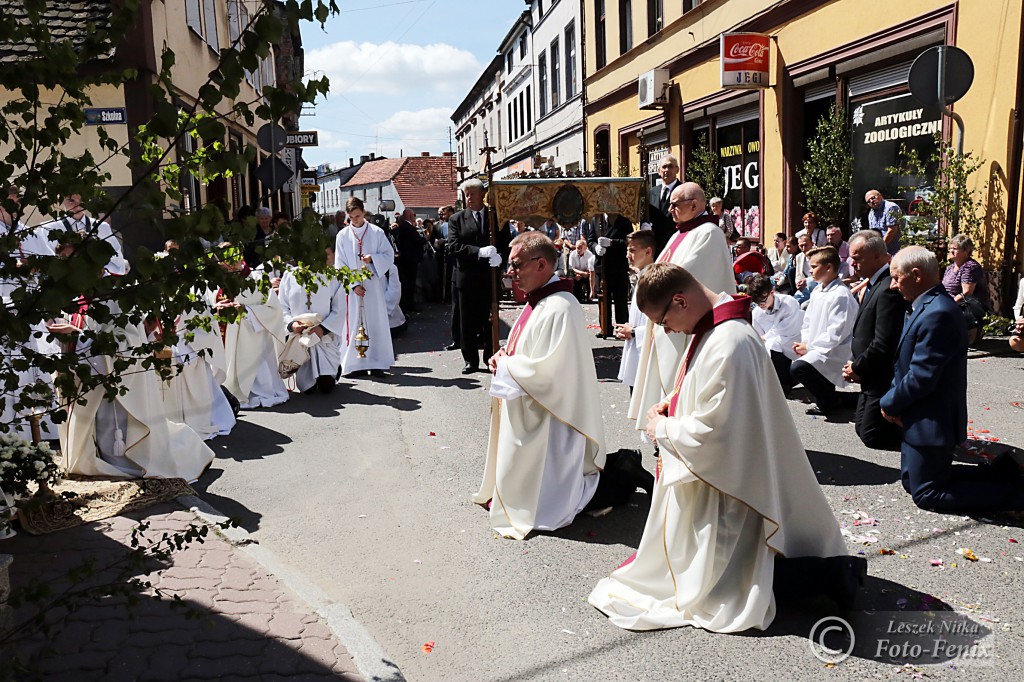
469, 245
876, 334
661, 220
928, 400
610, 247
410, 245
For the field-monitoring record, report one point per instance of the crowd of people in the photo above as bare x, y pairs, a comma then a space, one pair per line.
737, 518
717, 331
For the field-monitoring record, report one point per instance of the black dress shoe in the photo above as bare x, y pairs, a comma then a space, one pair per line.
629, 463
816, 411
452, 346
470, 369
377, 373
850, 574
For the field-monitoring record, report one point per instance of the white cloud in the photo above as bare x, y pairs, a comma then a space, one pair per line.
330, 140
412, 132
394, 68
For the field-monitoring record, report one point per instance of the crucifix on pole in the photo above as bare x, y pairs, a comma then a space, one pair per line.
492, 228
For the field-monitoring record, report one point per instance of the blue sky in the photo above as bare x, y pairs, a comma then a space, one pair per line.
398, 69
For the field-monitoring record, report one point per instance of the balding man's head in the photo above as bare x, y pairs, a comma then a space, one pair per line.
687, 202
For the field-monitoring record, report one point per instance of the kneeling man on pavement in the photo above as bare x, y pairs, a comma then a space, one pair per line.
546, 449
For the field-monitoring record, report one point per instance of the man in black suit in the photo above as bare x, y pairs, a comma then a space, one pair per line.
469, 246
662, 223
409, 243
876, 334
610, 248
928, 400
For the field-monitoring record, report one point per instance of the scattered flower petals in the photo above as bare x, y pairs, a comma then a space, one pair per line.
431, 434
967, 554
428, 647
1013, 541
936, 562
569, 632
886, 551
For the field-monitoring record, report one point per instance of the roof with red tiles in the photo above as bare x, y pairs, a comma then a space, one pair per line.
427, 181
375, 172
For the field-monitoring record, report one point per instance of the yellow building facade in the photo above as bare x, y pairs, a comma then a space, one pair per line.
854, 53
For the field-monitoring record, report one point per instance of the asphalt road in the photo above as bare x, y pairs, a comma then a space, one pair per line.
366, 492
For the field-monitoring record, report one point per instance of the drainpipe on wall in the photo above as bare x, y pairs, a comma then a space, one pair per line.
1016, 154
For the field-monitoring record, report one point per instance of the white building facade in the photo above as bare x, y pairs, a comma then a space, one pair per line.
480, 112
558, 130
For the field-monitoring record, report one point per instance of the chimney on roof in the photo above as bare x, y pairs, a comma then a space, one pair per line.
448, 154
372, 156
364, 158
424, 153
350, 162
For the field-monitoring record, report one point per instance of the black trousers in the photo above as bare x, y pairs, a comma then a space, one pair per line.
407, 275
938, 485
799, 578
617, 281
456, 321
782, 366
823, 390
872, 428
474, 331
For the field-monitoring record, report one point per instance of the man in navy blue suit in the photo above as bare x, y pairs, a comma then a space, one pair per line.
928, 400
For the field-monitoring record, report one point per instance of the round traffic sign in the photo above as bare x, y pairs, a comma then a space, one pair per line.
924, 75
271, 137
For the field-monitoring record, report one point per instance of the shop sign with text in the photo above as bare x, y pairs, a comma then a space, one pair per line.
744, 58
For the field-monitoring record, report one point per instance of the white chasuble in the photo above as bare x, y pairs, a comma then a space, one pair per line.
252, 345
131, 435
704, 253
546, 445
193, 396
735, 489
828, 330
350, 245
328, 301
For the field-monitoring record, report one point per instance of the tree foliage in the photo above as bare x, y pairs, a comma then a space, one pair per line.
826, 178
48, 92
703, 166
948, 201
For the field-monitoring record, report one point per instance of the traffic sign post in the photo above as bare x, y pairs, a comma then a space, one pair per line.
942, 75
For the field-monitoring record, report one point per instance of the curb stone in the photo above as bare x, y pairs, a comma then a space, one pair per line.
367, 654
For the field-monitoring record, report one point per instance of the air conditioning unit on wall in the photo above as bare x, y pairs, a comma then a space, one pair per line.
653, 89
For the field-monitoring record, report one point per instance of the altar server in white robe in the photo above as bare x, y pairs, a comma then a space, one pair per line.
639, 253
826, 337
699, 245
778, 319
546, 448
328, 303
252, 344
129, 436
364, 246
28, 242
737, 517
393, 299
76, 219
193, 395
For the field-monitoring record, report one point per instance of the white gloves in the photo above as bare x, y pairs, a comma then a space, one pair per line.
645, 226
487, 252
599, 250
495, 259
604, 241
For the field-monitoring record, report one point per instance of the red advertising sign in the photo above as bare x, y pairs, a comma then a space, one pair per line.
744, 60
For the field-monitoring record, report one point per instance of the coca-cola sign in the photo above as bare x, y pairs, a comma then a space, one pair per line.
745, 60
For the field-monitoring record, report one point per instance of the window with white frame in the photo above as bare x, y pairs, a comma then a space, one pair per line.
542, 74
556, 74
570, 60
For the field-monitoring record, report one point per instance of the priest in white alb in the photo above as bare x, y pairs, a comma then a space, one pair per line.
320, 313
252, 342
192, 395
362, 246
545, 453
737, 517
699, 246
130, 435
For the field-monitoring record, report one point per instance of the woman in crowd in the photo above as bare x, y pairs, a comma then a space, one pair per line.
428, 279
965, 281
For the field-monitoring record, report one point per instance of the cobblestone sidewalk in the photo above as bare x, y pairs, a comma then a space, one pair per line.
250, 626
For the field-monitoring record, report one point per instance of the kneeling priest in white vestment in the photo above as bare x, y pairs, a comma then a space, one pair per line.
327, 304
737, 517
546, 450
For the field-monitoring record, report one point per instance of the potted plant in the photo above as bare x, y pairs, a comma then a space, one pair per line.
24, 468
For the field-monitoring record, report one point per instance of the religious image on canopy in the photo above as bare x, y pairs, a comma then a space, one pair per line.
533, 200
